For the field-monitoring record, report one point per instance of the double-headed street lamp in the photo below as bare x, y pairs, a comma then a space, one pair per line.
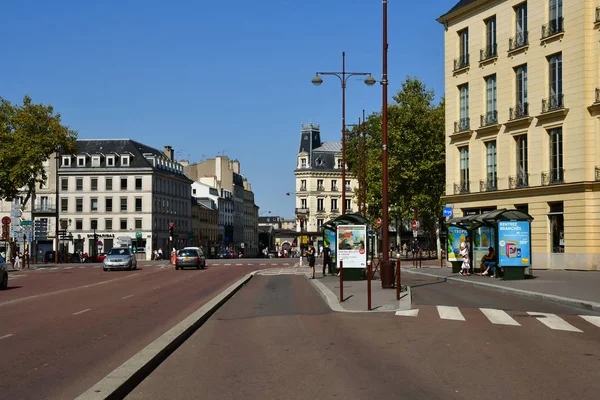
343, 76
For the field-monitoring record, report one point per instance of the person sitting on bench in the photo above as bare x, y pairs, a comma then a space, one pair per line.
488, 262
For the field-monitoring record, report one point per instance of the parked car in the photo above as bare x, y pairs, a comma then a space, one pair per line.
98, 259
224, 254
3, 274
190, 257
120, 258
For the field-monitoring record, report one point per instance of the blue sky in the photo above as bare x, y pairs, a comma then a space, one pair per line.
215, 77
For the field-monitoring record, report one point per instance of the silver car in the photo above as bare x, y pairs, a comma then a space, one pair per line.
120, 258
3, 274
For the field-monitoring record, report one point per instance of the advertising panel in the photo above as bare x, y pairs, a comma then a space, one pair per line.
514, 244
351, 246
329, 239
484, 237
456, 236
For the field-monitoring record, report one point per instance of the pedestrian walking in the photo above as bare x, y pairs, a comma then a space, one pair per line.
26, 259
310, 254
17, 262
326, 259
160, 254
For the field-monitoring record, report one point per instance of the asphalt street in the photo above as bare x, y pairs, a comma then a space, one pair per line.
276, 338
65, 327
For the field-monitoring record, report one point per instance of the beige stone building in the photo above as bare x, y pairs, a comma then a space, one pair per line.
319, 182
205, 224
522, 119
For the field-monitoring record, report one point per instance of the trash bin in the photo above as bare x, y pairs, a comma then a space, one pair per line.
387, 274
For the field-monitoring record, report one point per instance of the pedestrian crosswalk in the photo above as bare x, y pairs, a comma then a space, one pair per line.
501, 317
283, 271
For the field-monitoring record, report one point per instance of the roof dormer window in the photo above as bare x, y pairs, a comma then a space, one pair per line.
124, 161
81, 161
66, 161
110, 161
95, 161
303, 163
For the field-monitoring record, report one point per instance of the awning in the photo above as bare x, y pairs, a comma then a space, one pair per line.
470, 222
346, 219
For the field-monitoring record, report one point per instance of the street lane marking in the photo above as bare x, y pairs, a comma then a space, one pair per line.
452, 313
6, 336
499, 317
126, 297
408, 313
553, 321
273, 264
37, 296
263, 264
591, 319
156, 287
82, 311
239, 264
226, 264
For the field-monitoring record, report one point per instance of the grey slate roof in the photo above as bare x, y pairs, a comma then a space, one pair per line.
329, 147
459, 5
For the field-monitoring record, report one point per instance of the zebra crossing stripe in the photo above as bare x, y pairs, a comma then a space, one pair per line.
499, 317
452, 313
592, 319
553, 321
408, 313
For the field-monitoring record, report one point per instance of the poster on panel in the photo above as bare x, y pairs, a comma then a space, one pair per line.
329, 240
484, 237
456, 236
514, 244
351, 246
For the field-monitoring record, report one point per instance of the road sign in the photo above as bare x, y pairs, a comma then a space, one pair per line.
414, 233
415, 225
448, 211
15, 228
378, 222
5, 220
26, 222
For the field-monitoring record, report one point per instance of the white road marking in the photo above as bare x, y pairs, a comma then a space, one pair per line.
126, 297
553, 321
273, 264
263, 264
286, 264
156, 287
6, 336
499, 317
447, 312
239, 264
408, 313
82, 311
591, 319
226, 264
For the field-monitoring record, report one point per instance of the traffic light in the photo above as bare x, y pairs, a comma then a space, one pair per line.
171, 225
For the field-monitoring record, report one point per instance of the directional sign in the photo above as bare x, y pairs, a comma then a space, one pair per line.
448, 211
26, 223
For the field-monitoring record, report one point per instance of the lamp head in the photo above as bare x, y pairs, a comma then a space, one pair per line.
317, 80
370, 81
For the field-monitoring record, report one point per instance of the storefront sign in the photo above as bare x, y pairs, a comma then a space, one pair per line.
456, 236
514, 242
351, 246
101, 235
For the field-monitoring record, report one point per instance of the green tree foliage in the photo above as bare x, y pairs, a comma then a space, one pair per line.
29, 134
416, 155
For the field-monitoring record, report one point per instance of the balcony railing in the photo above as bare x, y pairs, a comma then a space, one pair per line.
553, 177
335, 210
488, 185
518, 181
597, 170
462, 187
334, 189
40, 207
489, 118
553, 27
348, 188
462, 125
553, 103
302, 189
321, 188
520, 40
488, 52
597, 98
597, 14
461, 62
519, 111
302, 211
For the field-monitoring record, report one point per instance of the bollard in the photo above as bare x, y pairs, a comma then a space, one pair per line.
398, 280
368, 285
420, 258
341, 281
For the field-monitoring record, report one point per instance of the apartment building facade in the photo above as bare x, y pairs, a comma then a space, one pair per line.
319, 182
523, 120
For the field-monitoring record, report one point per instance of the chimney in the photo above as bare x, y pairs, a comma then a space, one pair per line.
184, 163
170, 153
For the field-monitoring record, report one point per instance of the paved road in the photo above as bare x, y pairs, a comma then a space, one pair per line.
277, 339
63, 329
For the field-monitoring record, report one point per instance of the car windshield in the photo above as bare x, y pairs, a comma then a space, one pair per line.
187, 253
118, 252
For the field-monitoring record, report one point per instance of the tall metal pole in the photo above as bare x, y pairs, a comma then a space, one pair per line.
364, 165
343, 133
384, 134
57, 228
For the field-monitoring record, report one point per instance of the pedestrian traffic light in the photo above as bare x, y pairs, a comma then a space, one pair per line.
171, 225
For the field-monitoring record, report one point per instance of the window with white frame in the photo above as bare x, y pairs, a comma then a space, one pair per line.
491, 165
95, 161
124, 161
110, 161
522, 169
320, 205
66, 161
81, 161
464, 168
556, 155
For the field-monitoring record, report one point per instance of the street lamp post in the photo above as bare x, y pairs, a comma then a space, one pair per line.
343, 76
384, 138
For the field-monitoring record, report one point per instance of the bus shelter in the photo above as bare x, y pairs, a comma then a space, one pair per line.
508, 232
347, 239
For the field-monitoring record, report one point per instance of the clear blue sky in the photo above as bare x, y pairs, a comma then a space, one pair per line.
208, 77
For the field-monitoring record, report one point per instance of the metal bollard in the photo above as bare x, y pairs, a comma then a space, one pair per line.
369, 285
398, 279
341, 281
420, 258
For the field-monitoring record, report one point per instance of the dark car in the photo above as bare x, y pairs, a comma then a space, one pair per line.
190, 258
3, 274
224, 254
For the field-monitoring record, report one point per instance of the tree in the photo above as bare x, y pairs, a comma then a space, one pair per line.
416, 155
29, 134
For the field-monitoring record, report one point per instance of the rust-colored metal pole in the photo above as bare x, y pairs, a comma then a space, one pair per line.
364, 165
343, 132
398, 280
341, 281
384, 139
420, 258
369, 286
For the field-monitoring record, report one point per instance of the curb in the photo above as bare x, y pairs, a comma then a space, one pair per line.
334, 303
589, 305
120, 382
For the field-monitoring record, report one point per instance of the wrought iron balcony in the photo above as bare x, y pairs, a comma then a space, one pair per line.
462, 187
597, 170
321, 188
597, 14
488, 52
597, 98
553, 103
520, 40
553, 177
461, 62
518, 181
334, 189
553, 27
335, 210
489, 118
462, 125
519, 111
44, 207
488, 185
302, 189
348, 188
302, 211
